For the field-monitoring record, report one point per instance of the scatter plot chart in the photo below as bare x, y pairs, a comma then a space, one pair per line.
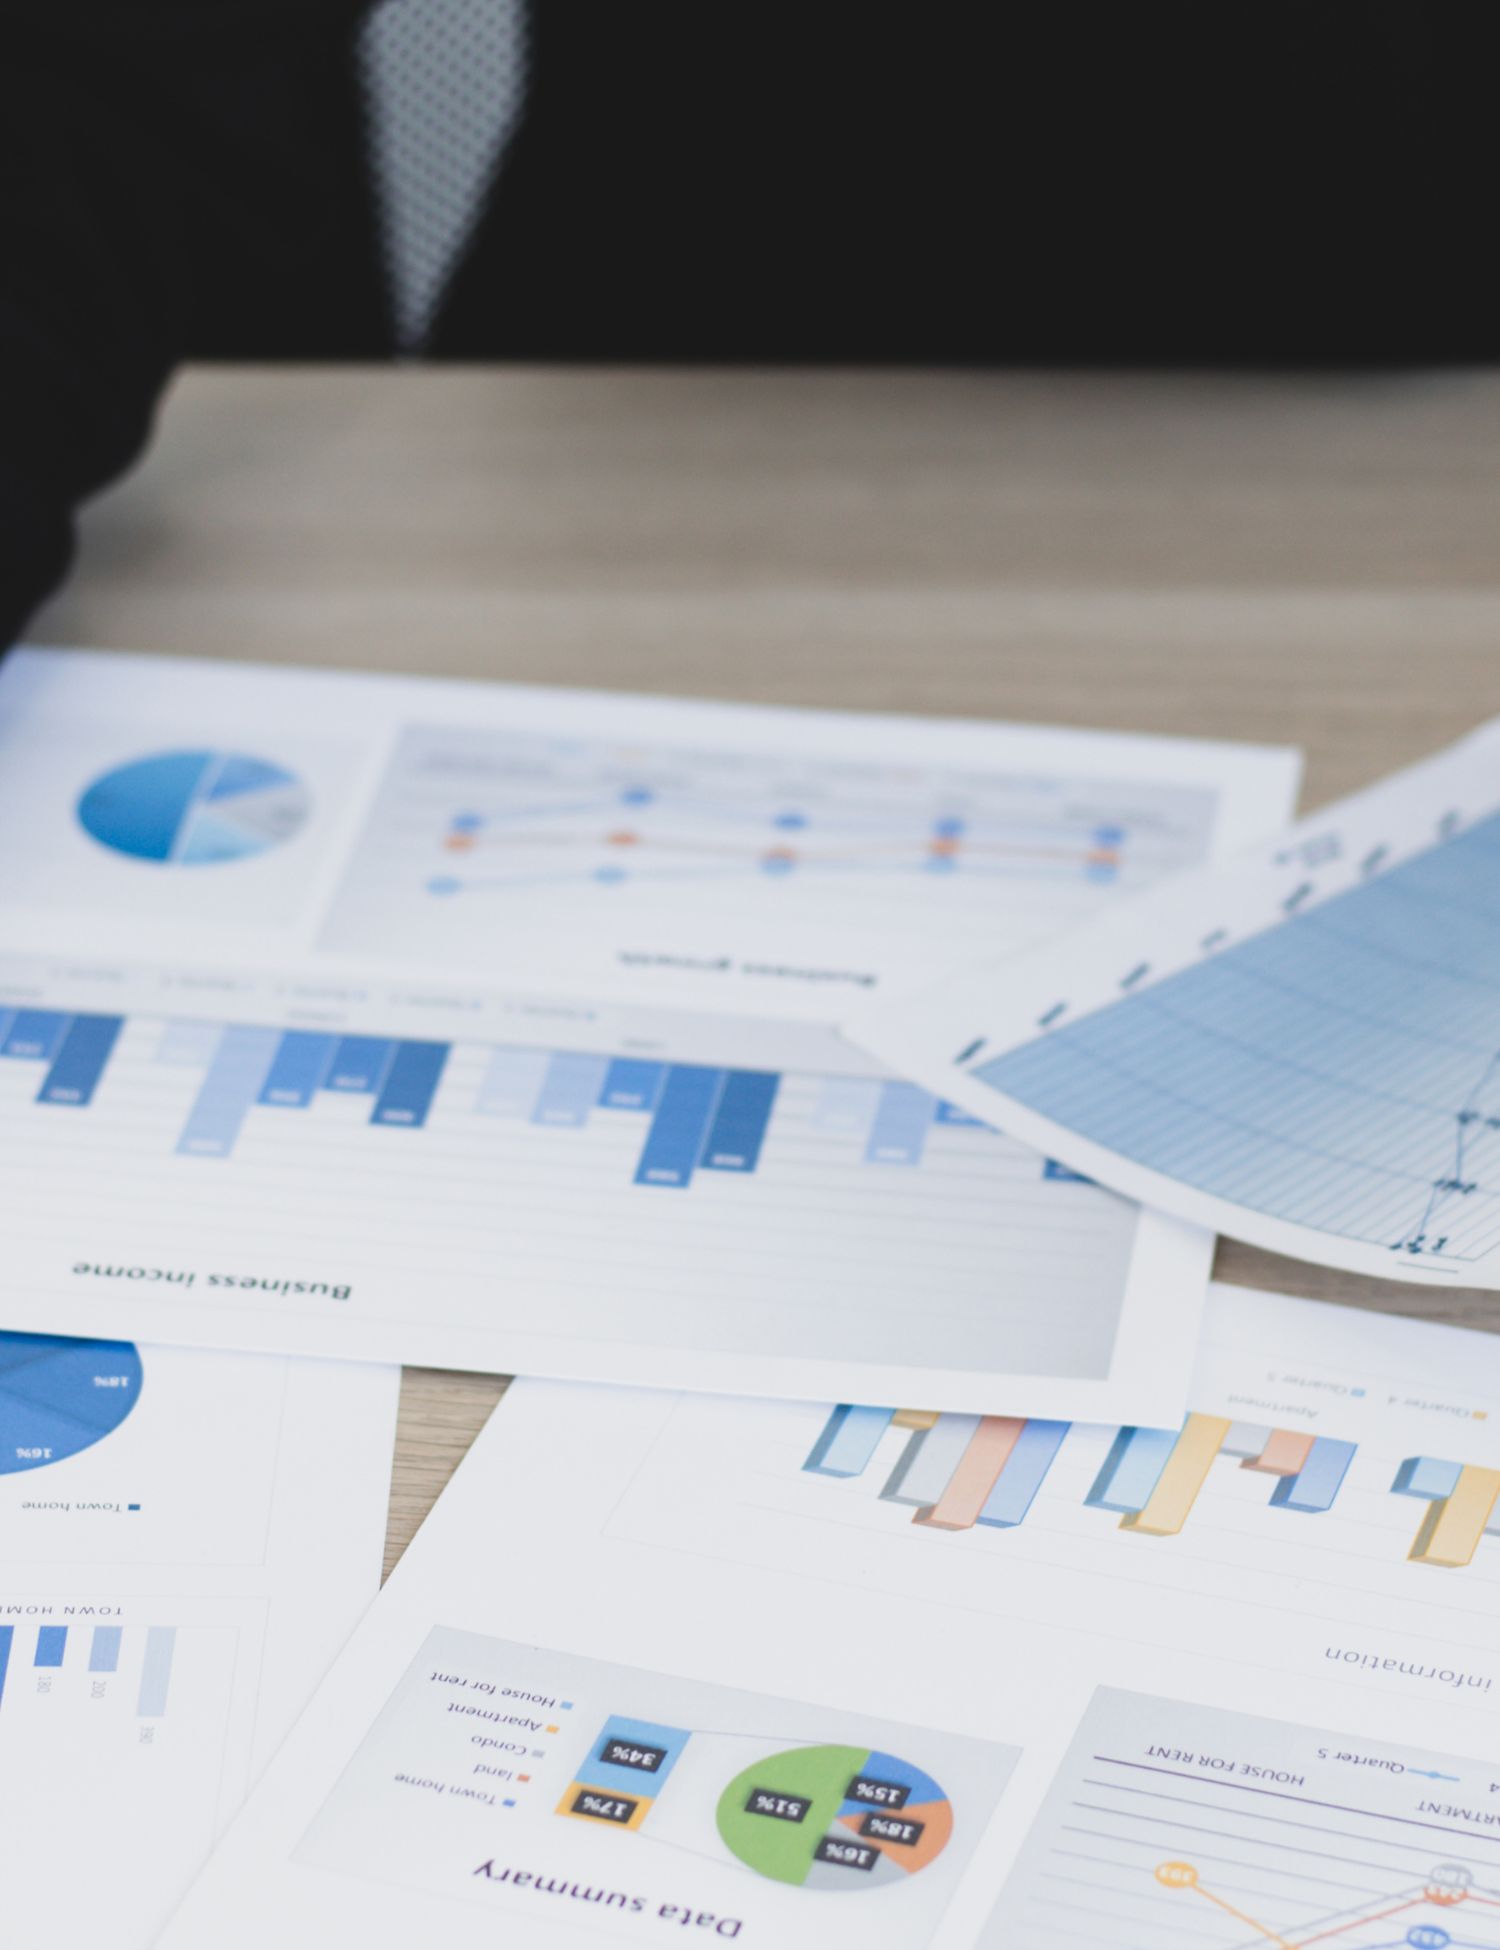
477, 833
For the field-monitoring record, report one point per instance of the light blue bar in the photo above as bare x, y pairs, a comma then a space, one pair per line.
187, 1044
1319, 1479
104, 1649
7, 1634
1025, 1470
298, 1068
1427, 1477
34, 1034
232, 1085
156, 1671
847, 1105
628, 1779
951, 1114
570, 1089
7, 1017
359, 1065
80, 1060
513, 1082
902, 1122
51, 1644
1136, 1459
410, 1084
739, 1127
675, 1140
850, 1437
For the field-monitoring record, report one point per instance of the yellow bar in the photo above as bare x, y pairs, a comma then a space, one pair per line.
914, 1418
1178, 1485
1452, 1528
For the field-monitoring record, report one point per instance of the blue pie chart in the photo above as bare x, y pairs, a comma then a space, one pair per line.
59, 1396
194, 808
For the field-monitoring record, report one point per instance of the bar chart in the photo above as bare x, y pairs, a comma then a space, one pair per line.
722, 1183
956, 1471
122, 1732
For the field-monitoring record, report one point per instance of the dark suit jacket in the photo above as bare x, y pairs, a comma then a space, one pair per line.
705, 180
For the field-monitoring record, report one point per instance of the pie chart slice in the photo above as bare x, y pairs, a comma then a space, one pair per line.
840, 1818
60, 1396
194, 808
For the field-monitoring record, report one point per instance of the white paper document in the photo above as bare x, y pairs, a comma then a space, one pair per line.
186, 1540
663, 1666
1301, 1048
495, 1028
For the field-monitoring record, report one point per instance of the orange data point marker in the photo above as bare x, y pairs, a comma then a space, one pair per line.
622, 839
459, 842
944, 848
1177, 1875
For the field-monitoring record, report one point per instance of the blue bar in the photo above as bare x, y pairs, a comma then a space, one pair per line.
1061, 1175
301, 1062
104, 1650
80, 1060
570, 1089
232, 1085
630, 1084
359, 1063
849, 1439
35, 1033
1135, 1460
7, 1017
1318, 1481
847, 1105
739, 1126
951, 1114
156, 1671
1427, 1477
410, 1084
7, 1633
674, 1143
51, 1644
513, 1082
901, 1125
1025, 1469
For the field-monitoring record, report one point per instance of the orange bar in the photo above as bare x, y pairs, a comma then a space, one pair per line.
978, 1470
1283, 1455
1186, 1470
1451, 1530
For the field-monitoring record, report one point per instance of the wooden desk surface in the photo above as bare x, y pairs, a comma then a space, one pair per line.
1308, 560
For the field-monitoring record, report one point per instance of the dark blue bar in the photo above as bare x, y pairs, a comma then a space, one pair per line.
51, 1643
1061, 1174
298, 1068
7, 1633
674, 1143
632, 1085
7, 1017
359, 1063
80, 1060
739, 1125
410, 1084
35, 1033
951, 1114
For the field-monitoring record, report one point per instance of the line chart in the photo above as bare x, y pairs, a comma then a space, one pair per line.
1171, 1825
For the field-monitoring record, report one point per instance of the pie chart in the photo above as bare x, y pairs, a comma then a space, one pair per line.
59, 1396
194, 808
835, 1818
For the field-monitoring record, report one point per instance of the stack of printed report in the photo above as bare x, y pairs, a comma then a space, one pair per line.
831, 1117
